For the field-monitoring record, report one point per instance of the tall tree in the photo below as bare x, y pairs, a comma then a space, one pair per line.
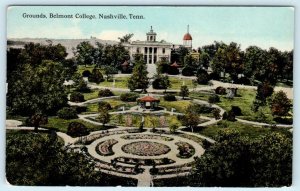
184, 91
280, 104
139, 79
125, 38
84, 53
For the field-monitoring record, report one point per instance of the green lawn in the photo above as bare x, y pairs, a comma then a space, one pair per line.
94, 94
179, 105
62, 124
245, 129
177, 83
120, 82
115, 104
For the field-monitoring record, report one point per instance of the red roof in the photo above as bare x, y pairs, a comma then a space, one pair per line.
148, 99
125, 63
187, 36
175, 64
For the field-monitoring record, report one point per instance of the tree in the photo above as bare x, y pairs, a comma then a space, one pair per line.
264, 90
37, 89
37, 120
191, 119
161, 82
280, 105
84, 53
173, 127
104, 116
138, 79
109, 71
125, 38
234, 160
184, 92
202, 76
204, 60
96, 76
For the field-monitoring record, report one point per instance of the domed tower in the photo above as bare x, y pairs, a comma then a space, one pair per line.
187, 39
151, 36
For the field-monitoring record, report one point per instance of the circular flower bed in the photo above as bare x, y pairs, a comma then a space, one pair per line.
104, 148
145, 148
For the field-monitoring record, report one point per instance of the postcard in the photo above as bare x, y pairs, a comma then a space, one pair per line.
149, 96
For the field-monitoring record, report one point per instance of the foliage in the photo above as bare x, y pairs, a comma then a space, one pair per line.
173, 70
76, 97
184, 92
216, 113
213, 99
96, 76
138, 79
161, 82
67, 113
84, 53
37, 89
104, 116
260, 116
190, 119
109, 71
264, 90
105, 93
125, 38
104, 105
187, 71
77, 129
280, 105
236, 110
86, 73
129, 97
81, 86
43, 162
263, 162
37, 120
169, 97
202, 76
220, 90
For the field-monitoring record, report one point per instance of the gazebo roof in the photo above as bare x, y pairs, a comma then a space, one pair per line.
125, 63
148, 99
175, 64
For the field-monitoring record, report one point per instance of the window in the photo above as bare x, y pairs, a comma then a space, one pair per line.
146, 50
137, 50
151, 37
150, 50
163, 50
155, 50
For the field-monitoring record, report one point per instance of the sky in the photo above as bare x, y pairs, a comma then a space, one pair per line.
260, 26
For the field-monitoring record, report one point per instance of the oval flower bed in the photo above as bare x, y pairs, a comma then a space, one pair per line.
145, 148
185, 150
147, 136
104, 148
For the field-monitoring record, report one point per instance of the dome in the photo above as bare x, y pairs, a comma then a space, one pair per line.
187, 36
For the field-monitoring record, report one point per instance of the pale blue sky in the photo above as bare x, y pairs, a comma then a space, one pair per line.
262, 26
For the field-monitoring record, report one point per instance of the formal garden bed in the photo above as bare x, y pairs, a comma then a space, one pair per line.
147, 136
185, 150
145, 148
104, 148
145, 162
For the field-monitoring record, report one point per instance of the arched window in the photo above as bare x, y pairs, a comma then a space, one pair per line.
163, 50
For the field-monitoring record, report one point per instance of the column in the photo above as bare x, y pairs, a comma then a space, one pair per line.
152, 55
147, 55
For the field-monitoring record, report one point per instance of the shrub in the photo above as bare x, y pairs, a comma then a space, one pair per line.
216, 113
213, 99
153, 170
129, 97
169, 97
82, 86
202, 76
225, 115
105, 93
96, 76
67, 113
173, 71
80, 109
231, 116
220, 90
236, 110
76, 97
104, 105
187, 71
201, 108
86, 73
76, 129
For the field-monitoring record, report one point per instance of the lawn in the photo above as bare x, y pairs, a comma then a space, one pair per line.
177, 83
150, 120
62, 124
244, 129
115, 104
94, 94
120, 82
179, 105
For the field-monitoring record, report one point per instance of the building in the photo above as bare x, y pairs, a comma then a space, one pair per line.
154, 50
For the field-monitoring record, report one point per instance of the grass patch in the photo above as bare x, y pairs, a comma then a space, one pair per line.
244, 129
179, 105
177, 83
62, 124
120, 82
116, 104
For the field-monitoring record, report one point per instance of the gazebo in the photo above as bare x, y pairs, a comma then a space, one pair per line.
175, 65
148, 102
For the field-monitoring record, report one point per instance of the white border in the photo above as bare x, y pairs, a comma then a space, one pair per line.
3, 7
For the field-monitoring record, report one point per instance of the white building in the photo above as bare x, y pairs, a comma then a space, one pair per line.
153, 50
